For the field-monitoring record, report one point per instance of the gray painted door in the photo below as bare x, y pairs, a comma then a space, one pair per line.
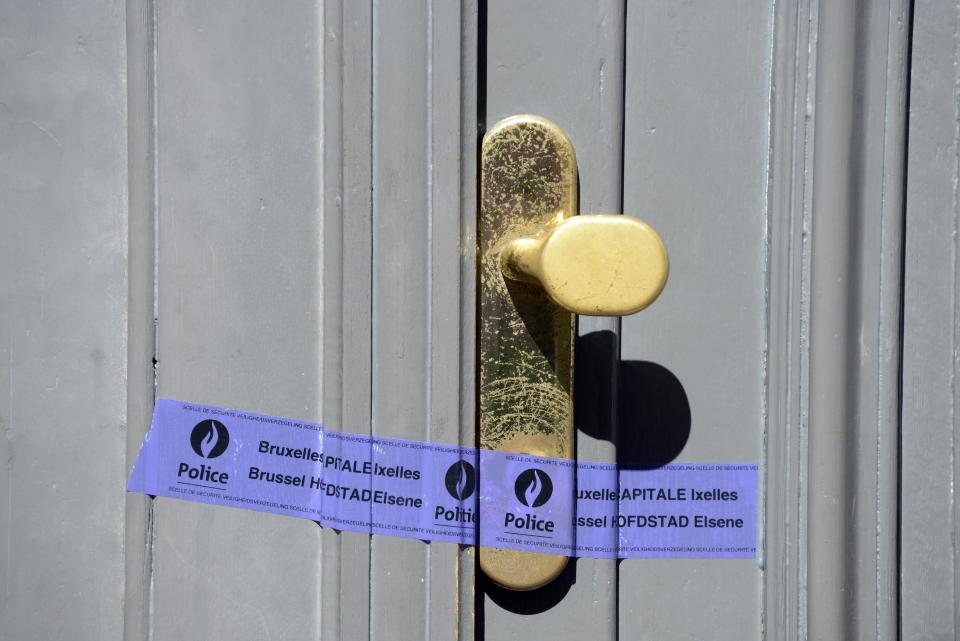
669, 125
272, 206
765, 141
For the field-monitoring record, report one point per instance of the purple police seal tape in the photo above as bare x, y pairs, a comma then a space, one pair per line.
447, 493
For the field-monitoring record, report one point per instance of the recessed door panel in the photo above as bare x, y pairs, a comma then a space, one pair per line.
695, 166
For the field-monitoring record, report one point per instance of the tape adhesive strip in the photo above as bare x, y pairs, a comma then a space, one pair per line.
429, 491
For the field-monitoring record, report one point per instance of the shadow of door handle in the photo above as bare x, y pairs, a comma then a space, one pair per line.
540, 265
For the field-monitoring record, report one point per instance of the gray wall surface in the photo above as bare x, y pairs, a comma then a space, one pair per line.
271, 206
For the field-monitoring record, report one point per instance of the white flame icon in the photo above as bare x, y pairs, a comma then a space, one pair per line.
209, 438
532, 493
209, 441
461, 479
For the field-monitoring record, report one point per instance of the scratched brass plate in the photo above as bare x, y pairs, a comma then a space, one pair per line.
528, 185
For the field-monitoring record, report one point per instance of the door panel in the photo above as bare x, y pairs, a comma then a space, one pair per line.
63, 304
416, 304
930, 517
695, 167
239, 325
693, 123
565, 62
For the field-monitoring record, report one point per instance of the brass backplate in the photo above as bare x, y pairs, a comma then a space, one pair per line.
528, 185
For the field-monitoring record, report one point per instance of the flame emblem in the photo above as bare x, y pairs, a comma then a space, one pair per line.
209, 439
461, 480
533, 490
533, 487
206, 445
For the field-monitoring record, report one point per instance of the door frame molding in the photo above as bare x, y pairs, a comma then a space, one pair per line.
836, 220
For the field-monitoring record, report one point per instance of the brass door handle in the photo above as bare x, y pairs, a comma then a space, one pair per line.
540, 264
596, 265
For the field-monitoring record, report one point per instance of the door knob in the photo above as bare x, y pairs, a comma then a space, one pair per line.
597, 265
540, 264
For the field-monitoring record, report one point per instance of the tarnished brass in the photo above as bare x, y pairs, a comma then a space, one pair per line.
528, 183
538, 266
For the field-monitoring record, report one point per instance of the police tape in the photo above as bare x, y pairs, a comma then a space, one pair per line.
447, 493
